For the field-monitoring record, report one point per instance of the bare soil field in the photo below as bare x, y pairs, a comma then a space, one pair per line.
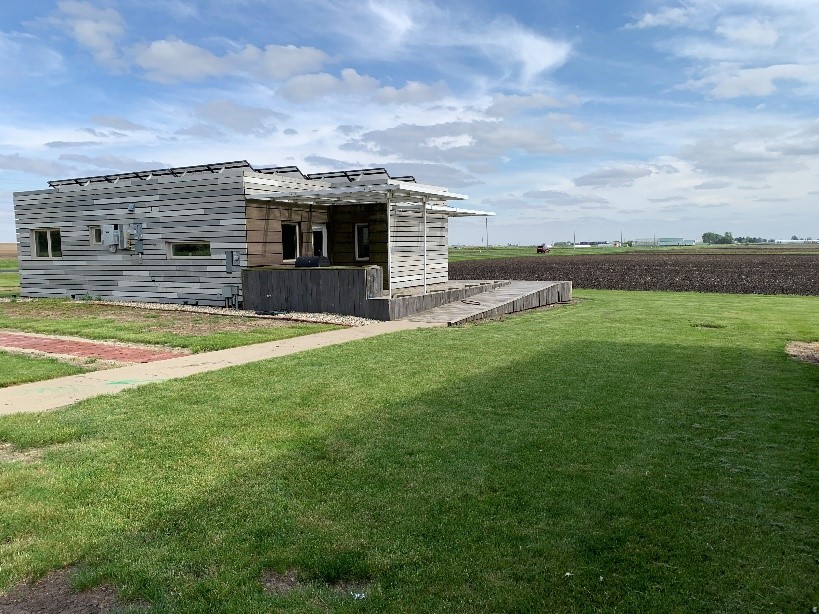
8, 250
769, 273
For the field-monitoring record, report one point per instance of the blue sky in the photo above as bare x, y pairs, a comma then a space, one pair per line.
666, 118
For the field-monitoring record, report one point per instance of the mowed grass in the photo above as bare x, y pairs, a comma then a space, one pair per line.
197, 332
637, 451
17, 369
9, 284
8, 263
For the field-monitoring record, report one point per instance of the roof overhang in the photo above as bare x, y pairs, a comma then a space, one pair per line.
400, 193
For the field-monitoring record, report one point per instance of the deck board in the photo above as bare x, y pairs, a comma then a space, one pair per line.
514, 297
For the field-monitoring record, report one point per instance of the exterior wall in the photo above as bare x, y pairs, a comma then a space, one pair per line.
196, 207
264, 230
264, 219
341, 228
407, 232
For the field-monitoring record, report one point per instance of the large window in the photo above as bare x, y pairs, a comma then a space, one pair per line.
190, 250
47, 243
290, 241
362, 241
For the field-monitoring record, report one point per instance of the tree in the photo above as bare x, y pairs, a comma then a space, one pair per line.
713, 237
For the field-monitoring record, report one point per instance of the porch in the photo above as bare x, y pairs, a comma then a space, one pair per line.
359, 291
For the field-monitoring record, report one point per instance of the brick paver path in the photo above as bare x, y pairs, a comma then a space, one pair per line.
83, 349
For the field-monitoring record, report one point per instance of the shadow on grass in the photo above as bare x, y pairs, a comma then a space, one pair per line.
585, 475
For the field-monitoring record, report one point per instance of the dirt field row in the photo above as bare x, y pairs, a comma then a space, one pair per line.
8, 250
732, 273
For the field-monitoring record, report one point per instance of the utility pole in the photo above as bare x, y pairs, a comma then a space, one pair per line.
486, 222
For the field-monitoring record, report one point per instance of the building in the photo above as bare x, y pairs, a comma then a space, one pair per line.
187, 234
663, 242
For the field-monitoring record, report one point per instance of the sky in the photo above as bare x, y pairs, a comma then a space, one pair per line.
567, 118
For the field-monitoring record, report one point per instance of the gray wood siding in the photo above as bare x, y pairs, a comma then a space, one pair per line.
191, 208
407, 255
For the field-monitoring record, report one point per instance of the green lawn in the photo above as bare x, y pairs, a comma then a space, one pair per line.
636, 451
17, 369
198, 332
9, 284
8, 263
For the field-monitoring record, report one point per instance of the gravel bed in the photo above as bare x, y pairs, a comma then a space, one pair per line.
316, 318
296, 316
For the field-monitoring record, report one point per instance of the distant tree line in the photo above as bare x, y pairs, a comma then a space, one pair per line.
713, 238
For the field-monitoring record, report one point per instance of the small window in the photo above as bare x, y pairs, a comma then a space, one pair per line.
362, 241
190, 250
95, 235
47, 243
290, 241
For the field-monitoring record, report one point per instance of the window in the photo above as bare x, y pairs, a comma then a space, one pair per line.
47, 243
95, 235
290, 241
362, 241
190, 250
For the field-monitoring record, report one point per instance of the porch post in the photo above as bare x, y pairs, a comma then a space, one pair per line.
389, 251
424, 217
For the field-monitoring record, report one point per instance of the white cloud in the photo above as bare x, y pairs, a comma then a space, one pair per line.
505, 105
714, 184
413, 92
534, 53
279, 62
397, 18
173, 60
733, 82
112, 162
24, 55
201, 131
97, 29
116, 122
239, 118
668, 17
36, 166
477, 144
308, 88
453, 40
613, 176
70, 144
748, 31
564, 198
305, 88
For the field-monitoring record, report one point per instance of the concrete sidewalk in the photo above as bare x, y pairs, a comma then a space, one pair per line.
62, 391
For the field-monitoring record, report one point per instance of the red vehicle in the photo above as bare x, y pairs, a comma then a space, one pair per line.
542, 249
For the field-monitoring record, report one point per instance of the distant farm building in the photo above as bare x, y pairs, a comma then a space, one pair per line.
663, 242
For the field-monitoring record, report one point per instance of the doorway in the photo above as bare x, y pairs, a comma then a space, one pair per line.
320, 240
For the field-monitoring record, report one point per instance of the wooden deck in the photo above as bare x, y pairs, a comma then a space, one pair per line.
513, 297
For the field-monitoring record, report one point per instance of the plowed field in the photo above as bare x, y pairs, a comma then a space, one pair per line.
732, 273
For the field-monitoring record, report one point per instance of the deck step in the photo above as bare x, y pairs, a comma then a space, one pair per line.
514, 297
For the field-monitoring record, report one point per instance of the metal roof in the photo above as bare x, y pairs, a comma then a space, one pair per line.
177, 171
218, 167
